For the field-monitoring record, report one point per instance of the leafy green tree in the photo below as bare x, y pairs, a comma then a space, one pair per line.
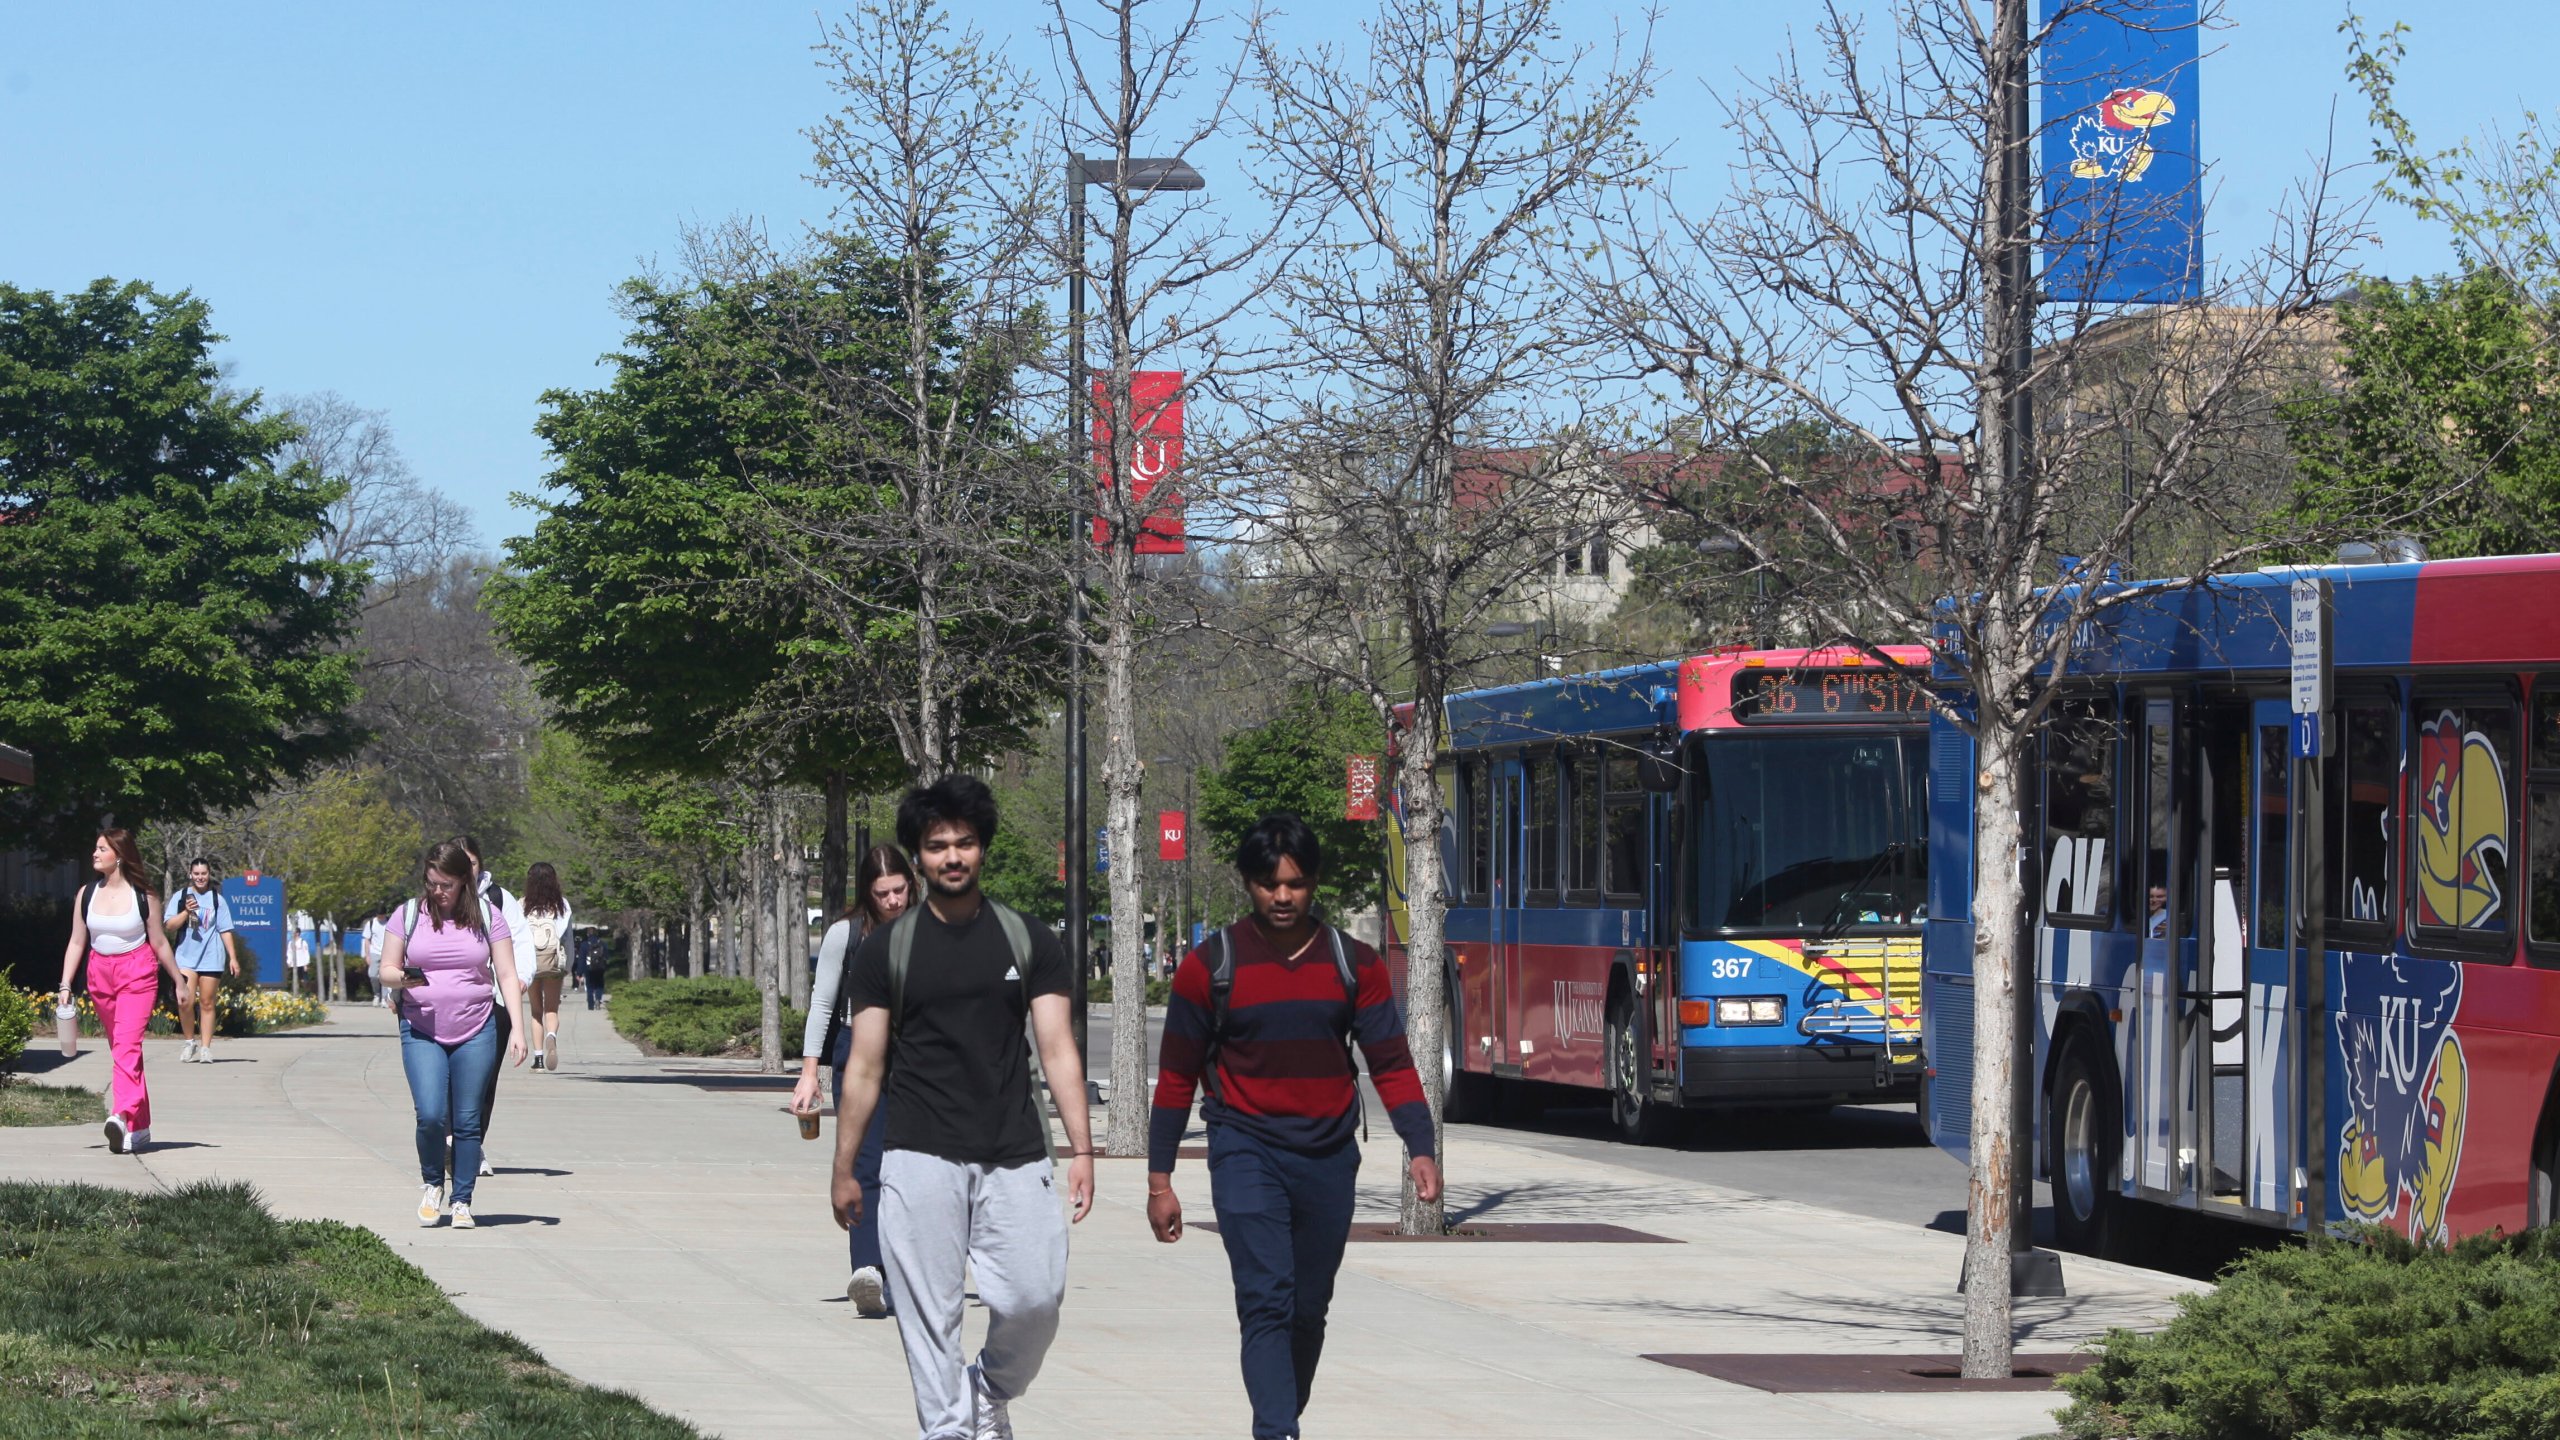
170, 638
1297, 761
2448, 417
339, 844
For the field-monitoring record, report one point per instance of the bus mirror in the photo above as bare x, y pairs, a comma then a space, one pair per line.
1657, 771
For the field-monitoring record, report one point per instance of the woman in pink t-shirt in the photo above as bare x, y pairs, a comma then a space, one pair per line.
451, 962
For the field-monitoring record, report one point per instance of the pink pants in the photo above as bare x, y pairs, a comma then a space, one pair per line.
123, 987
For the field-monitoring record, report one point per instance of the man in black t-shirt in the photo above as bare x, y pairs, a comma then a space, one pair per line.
965, 1179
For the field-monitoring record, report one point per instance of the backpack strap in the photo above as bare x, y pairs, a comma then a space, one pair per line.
1351, 992
1222, 989
1017, 938
902, 952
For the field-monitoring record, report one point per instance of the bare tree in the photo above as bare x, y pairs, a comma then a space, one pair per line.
387, 518
1868, 270
1169, 276
1427, 435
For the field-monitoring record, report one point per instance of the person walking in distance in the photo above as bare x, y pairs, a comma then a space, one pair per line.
374, 925
547, 934
594, 952
495, 899
966, 1189
199, 926
452, 961
883, 885
112, 933
1264, 1013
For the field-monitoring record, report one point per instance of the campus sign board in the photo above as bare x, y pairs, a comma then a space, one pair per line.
2122, 167
256, 903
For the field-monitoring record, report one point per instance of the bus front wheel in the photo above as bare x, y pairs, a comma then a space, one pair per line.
1462, 1097
2081, 1140
1632, 1110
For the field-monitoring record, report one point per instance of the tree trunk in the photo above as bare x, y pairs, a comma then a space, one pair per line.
834, 860
769, 972
791, 907
1997, 903
697, 931
1122, 781
1426, 1000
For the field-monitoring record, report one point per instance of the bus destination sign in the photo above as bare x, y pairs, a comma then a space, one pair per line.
1763, 697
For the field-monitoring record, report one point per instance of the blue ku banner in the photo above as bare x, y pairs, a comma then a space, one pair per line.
2123, 189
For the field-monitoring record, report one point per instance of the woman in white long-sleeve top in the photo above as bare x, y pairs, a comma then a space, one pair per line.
883, 886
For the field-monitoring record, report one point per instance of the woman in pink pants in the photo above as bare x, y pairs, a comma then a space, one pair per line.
110, 925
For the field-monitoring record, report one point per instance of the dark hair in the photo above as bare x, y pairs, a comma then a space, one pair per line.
542, 890
128, 860
878, 862
1274, 837
953, 799
209, 865
454, 863
471, 844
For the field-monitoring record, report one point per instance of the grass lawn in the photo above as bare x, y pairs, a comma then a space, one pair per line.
23, 1102
124, 1314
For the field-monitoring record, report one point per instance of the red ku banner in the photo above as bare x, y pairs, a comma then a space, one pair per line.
1155, 396
1360, 789
1172, 840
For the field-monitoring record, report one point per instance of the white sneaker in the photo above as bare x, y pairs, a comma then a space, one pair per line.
551, 1051
116, 1135
135, 1140
870, 1296
462, 1216
484, 1164
987, 1418
430, 1204
204, 1054
187, 1055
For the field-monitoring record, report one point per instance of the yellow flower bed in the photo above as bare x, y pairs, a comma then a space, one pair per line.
236, 1012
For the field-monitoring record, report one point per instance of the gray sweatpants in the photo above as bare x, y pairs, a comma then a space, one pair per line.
940, 1219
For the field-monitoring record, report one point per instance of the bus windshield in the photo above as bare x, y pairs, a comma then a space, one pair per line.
1807, 833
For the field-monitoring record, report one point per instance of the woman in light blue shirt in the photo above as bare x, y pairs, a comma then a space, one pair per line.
199, 926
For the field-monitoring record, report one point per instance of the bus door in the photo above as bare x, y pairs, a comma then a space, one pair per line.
2160, 1095
2264, 1048
1510, 822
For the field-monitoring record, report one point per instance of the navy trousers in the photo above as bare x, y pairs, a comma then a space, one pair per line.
1284, 1216
864, 1238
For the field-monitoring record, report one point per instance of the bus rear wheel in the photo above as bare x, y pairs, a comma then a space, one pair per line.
1632, 1110
2082, 1139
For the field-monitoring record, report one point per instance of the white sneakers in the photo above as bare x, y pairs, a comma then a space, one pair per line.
551, 1051
120, 1136
869, 1294
484, 1164
188, 1054
987, 1418
462, 1216
430, 1204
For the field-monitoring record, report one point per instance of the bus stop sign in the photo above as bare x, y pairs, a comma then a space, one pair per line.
2309, 631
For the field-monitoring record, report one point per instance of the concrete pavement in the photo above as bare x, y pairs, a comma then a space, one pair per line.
659, 1226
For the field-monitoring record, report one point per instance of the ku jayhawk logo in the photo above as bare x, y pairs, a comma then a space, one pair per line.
2114, 141
2462, 826
2408, 1090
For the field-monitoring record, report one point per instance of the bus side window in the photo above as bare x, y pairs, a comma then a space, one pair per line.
2462, 832
1625, 803
2080, 813
1546, 826
2362, 780
1582, 873
1478, 804
2543, 854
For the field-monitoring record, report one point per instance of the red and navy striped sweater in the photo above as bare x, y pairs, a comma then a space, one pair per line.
1282, 1072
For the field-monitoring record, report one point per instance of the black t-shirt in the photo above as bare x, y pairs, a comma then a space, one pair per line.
959, 1071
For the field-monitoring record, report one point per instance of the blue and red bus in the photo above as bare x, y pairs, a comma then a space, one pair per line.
2190, 1048
1694, 883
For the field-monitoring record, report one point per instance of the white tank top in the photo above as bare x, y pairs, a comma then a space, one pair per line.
115, 934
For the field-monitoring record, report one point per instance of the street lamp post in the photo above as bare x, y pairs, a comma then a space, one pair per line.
1146, 176
1539, 631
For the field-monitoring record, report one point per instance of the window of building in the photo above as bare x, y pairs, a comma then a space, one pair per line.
2462, 831
2362, 781
1600, 554
2080, 813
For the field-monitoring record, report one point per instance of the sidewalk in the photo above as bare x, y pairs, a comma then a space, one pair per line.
659, 1226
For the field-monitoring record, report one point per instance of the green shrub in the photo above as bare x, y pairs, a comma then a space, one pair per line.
17, 1027
713, 1015
2373, 1336
1098, 990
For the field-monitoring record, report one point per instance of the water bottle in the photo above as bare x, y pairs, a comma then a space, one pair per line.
66, 1026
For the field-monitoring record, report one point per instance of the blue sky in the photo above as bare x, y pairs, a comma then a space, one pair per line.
426, 209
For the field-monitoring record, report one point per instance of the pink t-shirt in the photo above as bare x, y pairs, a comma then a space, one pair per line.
454, 1003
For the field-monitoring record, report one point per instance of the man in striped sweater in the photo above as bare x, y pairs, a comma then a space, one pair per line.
1282, 1099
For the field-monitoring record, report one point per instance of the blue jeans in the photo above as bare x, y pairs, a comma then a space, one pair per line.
447, 1083
1284, 1216
863, 1239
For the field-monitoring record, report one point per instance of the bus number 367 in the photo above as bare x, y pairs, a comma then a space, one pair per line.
1732, 968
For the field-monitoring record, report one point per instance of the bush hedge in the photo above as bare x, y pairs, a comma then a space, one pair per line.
2369, 1337
17, 1027
1097, 991
712, 1015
